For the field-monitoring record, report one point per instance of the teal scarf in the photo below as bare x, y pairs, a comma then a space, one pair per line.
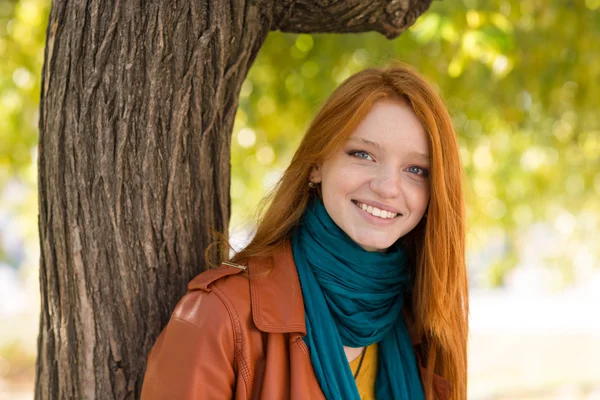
354, 298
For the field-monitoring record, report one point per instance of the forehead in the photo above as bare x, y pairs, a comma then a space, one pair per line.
392, 125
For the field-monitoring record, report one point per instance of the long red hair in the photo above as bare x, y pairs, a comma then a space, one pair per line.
439, 299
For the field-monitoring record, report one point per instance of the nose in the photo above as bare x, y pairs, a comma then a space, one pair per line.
386, 184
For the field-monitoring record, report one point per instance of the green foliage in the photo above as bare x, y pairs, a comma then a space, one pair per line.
22, 33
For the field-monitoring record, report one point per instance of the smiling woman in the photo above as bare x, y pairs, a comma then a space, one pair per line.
354, 285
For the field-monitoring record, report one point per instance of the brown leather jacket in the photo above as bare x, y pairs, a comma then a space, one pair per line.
237, 334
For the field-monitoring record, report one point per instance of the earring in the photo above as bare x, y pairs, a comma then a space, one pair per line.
311, 184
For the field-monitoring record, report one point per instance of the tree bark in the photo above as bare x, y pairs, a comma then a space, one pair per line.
137, 107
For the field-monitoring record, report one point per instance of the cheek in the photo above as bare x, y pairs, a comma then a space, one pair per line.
331, 189
339, 182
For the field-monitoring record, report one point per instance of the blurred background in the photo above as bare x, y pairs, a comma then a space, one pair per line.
522, 82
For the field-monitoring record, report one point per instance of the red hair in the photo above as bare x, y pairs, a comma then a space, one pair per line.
439, 299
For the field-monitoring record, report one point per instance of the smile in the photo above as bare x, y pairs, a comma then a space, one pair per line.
376, 211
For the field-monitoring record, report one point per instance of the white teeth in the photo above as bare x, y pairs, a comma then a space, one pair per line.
376, 211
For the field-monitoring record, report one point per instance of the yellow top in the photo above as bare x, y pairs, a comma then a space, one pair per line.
365, 381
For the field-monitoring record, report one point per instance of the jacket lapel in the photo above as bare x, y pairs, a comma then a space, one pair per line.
277, 304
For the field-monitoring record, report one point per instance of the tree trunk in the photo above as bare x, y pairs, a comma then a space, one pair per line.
137, 108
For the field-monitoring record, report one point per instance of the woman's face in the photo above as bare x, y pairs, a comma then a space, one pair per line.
376, 187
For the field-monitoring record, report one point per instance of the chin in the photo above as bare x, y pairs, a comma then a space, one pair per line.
377, 245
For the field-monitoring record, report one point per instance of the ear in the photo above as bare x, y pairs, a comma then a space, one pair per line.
315, 174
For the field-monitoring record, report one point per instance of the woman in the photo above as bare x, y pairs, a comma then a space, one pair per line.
354, 285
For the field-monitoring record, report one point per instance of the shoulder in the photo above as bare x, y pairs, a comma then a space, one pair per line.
214, 297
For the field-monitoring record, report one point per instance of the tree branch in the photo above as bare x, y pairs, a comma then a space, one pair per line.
388, 17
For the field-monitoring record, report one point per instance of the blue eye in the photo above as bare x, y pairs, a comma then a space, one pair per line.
360, 154
418, 171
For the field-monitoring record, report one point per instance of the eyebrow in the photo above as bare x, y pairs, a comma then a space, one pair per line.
422, 156
366, 141
415, 154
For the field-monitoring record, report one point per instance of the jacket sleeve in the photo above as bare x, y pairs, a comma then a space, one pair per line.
193, 358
